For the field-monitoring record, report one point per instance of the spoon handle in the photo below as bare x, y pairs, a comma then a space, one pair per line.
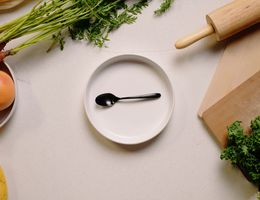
145, 96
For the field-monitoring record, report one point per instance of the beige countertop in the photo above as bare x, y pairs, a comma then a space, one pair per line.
50, 151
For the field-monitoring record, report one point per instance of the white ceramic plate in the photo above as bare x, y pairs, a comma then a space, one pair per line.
6, 114
129, 122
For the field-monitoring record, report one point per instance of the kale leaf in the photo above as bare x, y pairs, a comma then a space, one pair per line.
243, 150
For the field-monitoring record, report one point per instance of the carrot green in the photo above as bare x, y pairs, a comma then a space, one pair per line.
90, 20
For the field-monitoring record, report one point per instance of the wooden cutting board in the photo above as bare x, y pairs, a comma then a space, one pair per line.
234, 92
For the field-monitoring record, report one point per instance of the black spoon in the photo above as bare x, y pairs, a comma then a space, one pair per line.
108, 99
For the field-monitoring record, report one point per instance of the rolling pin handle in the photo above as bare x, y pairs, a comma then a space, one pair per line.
188, 40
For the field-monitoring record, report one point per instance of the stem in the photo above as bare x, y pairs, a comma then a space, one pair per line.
12, 23
20, 26
8, 36
37, 38
49, 17
4, 54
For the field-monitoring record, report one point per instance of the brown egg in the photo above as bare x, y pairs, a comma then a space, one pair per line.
7, 90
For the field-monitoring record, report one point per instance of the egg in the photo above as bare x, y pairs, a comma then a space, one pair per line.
7, 90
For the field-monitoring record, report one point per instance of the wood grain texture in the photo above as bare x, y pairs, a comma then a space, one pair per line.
241, 104
240, 60
190, 39
234, 92
234, 17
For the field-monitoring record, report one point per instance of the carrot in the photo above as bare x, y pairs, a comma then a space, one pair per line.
4, 54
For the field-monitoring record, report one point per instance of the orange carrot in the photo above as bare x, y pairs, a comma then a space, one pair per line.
4, 54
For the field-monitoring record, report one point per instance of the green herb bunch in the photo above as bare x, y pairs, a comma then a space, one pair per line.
90, 20
164, 7
243, 150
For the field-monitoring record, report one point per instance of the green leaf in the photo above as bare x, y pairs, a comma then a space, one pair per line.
164, 7
244, 150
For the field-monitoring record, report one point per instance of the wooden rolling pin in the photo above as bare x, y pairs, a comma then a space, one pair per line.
226, 21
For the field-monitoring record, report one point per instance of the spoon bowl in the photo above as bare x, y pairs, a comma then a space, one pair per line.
130, 122
109, 99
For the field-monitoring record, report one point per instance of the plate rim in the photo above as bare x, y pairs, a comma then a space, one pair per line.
131, 140
10, 114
